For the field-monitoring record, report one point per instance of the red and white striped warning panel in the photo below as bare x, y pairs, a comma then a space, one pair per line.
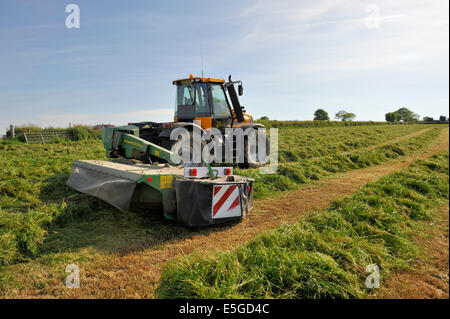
226, 201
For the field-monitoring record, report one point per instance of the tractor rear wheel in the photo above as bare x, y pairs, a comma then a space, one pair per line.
254, 157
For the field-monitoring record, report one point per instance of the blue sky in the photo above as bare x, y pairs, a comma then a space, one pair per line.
366, 57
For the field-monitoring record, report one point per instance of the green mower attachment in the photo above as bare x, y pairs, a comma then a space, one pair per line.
193, 200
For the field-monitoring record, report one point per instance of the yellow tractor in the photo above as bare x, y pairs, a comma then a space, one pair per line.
201, 104
205, 100
193, 192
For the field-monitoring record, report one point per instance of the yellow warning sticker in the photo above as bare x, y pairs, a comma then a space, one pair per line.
166, 181
132, 143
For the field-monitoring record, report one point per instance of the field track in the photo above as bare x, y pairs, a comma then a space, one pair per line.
135, 274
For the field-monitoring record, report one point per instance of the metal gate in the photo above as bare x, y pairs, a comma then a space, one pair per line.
45, 137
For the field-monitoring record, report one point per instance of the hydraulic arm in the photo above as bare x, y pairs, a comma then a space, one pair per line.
125, 141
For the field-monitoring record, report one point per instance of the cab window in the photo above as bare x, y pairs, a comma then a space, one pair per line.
193, 94
220, 105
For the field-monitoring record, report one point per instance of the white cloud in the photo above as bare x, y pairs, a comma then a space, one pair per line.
328, 35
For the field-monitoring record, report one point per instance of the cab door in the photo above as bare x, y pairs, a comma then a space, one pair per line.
220, 108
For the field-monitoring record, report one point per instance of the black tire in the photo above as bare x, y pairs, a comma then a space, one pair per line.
251, 158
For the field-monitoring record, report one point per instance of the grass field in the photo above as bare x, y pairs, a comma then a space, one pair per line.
44, 225
325, 254
307, 155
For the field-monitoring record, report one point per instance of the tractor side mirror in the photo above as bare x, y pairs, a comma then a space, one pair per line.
240, 90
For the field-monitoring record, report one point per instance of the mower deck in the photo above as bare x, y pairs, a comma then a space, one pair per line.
192, 202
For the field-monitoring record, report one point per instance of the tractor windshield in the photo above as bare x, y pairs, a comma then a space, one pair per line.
220, 105
193, 95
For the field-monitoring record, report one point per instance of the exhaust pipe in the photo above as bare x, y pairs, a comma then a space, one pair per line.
234, 99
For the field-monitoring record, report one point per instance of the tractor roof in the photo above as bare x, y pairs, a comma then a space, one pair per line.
198, 79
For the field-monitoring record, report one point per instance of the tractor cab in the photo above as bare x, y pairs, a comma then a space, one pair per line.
205, 100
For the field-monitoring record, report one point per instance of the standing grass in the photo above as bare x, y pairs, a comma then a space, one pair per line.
325, 254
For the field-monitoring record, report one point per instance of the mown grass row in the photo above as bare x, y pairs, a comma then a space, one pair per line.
299, 144
309, 124
291, 175
32, 193
325, 254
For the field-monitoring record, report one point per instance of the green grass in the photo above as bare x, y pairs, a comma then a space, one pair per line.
300, 144
33, 192
325, 254
318, 153
40, 215
309, 124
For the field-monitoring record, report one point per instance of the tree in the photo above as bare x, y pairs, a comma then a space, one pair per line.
340, 115
349, 116
345, 116
264, 118
428, 119
321, 115
392, 117
442, 118
407, 115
